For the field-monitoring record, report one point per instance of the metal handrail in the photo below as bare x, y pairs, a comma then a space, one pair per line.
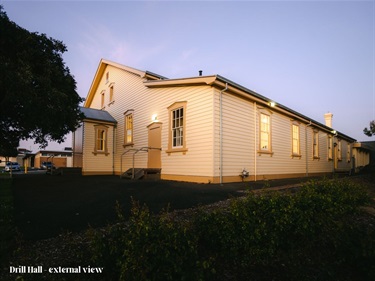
136, 150
132, 149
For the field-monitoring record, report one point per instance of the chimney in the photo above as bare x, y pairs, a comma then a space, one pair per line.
328, 118
200, 72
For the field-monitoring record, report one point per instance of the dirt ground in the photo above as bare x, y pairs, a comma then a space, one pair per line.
46, 205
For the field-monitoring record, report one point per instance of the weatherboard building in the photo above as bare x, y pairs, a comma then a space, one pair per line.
204, 129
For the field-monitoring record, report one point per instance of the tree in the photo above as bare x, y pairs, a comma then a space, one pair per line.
370, 132
38, 97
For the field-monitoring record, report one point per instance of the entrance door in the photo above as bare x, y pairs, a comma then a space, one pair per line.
154, 143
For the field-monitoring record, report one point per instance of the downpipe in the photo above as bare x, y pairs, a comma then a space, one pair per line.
306, 150
221, 132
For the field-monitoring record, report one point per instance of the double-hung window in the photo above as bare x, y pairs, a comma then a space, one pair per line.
295, 140
102, 99
111, 93
265, 133
101, 135
316, 145
330, 148
177, 127
129, 128
100, 140
339, 150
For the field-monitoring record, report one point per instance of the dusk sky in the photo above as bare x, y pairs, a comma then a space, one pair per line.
311, 56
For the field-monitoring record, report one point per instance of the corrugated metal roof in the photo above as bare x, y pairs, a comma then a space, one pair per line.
99, 115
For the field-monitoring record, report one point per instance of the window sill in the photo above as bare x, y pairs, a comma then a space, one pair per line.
296, 156
128, 144
174, 150
316, 158
260, 152
112, 102
100, 152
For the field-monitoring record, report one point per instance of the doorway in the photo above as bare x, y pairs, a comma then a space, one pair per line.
154, 144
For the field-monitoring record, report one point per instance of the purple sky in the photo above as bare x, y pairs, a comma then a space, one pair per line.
312, 56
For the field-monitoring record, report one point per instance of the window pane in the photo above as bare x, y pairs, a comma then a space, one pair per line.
129, 128
295, 139
315, 146
100, 142
265, 132
264, 141
177, 127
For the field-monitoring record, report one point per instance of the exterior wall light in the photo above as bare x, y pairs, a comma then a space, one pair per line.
272, 104
154, 117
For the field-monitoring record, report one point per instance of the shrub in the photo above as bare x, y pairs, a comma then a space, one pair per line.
149, 247
311, 234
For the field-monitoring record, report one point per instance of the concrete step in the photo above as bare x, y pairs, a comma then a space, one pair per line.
142, 173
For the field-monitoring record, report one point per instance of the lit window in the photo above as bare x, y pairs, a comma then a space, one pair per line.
129, 128
295, 140
265, 139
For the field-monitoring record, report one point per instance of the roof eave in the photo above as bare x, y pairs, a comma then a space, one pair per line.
93, 120
232, 86
179, 82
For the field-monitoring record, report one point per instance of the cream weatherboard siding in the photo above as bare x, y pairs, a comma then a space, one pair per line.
241, 136
98, 163
237, 136
131, 94
361, 155
222, 128
321, 164
197, 161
